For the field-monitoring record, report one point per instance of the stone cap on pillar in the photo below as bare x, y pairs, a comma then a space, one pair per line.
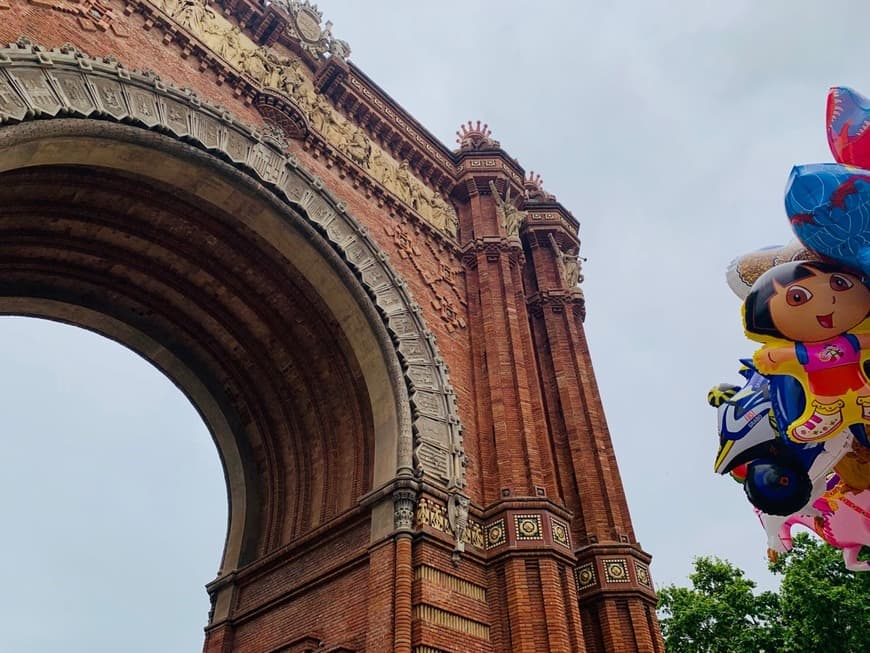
481, 161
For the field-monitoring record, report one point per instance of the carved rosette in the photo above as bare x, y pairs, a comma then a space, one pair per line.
283, 112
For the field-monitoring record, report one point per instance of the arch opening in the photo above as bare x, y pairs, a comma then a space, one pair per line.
112, 498
234, 296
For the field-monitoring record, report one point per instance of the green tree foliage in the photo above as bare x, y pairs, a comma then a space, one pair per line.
720, 613
824, 606
820, 607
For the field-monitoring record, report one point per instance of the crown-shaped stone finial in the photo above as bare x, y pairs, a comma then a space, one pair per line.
476, 137
534, 188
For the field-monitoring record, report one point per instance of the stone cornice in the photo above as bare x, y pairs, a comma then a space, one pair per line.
494, 247
611, 570
557, 301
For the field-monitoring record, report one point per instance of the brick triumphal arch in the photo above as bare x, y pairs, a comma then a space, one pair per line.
384, 336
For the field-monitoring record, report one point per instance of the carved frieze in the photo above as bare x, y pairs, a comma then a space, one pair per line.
285, 95
435, 515
38, 83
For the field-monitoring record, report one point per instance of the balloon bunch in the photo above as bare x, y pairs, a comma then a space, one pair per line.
795, 434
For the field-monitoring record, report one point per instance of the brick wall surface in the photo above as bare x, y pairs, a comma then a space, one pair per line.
535, 434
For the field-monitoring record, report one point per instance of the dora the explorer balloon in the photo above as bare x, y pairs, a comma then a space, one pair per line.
822, 310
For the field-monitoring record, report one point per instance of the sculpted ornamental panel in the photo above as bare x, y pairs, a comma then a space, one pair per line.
35, 83
274, 74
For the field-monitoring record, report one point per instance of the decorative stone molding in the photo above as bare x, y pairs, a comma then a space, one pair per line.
433, 514
493, 248
557, 301
43, 84
286, 96
404, 501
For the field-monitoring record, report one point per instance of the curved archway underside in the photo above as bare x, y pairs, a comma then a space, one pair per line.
133, 209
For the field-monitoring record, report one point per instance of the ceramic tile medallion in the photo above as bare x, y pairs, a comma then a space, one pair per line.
585, 575
616, 570
528, 527
642, 573
496, 534
560, 532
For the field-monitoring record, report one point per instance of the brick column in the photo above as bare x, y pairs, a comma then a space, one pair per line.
528, 538
612, 572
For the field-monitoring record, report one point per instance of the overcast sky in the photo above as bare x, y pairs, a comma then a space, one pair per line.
669, 129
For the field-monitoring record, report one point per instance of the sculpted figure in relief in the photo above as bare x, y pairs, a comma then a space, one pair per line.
307, 99
452, 220
169, 6
568, 264
258, 66
380, 168
321, 114
190, 14
457, 517
440, 213
288, 76
358, 148
402, 185
213, 31
511, 217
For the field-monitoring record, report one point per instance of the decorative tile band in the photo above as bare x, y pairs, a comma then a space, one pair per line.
437, 617
448, 581
433, 514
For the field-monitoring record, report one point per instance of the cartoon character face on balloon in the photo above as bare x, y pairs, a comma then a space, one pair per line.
821, 309
815, 307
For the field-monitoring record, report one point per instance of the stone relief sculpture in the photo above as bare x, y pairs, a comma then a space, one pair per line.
285, 75
511, 217
401, 185
190, 14
457, 517
568, 264
170, 7
358, 148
